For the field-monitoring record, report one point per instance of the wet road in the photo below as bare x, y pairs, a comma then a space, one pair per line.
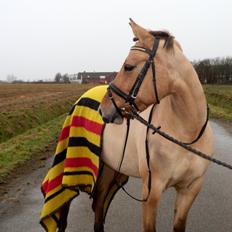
211, 212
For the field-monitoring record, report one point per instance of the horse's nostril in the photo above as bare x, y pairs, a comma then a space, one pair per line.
106, 120
100, 112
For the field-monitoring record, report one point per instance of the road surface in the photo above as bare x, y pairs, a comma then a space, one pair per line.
211, 212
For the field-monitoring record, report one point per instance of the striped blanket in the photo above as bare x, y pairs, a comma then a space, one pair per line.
76, 159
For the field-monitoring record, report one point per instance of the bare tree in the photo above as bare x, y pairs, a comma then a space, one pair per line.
58, 77
11, 78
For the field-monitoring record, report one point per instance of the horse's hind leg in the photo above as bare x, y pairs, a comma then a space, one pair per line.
184, 200
102, 188
63, 217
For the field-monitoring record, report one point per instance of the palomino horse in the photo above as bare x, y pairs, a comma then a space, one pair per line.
168, 78
155, 71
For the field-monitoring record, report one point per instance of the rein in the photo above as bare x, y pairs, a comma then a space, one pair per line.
186, 146
147, 158
133, 114
157, 130
131, 97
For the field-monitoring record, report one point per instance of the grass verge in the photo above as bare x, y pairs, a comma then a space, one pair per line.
20, 148
219, 98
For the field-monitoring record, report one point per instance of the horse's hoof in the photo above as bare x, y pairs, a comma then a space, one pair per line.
62, 228
98, 227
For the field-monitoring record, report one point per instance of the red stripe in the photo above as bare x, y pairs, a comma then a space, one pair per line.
81, 162
44, 187
87, 124
64, 133
81, 122
50, 185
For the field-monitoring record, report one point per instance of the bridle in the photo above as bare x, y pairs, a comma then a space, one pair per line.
131, 97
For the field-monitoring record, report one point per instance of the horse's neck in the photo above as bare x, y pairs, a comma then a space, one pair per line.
187, 108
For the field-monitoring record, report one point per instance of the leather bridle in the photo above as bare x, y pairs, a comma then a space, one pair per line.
131, 96
130, 99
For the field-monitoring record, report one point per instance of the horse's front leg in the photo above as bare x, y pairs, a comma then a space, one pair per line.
184, 200
150, 207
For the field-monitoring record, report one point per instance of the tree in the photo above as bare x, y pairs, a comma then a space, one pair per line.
58, 77
11, 78
66, 78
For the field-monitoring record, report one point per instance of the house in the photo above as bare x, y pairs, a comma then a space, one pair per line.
92, 77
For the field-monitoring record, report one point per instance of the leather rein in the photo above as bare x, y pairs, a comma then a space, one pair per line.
130, 99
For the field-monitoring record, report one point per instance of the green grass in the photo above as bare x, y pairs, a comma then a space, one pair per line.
21, 148
219, 98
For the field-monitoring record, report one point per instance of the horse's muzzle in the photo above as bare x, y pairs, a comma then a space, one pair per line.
111, 116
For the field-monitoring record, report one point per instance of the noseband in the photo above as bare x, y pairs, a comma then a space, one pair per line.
131, 97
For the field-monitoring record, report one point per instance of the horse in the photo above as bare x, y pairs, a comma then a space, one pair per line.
156, 72
157, 81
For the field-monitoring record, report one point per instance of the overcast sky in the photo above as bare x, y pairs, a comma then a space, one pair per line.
39, 38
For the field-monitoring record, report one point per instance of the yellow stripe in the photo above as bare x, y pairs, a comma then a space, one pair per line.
67, 121
62, 145
56, 171
50, 223
53, 191
54, 204
92, 114
96, 93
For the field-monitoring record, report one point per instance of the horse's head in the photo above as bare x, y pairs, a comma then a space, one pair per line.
144, 78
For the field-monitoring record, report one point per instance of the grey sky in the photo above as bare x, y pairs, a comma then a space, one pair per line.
42, 37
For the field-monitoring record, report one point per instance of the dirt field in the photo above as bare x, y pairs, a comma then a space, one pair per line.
25, 106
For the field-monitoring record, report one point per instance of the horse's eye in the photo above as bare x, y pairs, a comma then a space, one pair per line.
128, 67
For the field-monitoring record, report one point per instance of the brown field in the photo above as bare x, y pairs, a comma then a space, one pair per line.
25, 106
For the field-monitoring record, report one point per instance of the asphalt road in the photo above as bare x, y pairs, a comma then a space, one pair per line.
211, 212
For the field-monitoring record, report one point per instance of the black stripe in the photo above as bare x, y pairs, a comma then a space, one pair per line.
44, 226
78, 173
53, 195
60, 157
81, 141
56, 220
88, 102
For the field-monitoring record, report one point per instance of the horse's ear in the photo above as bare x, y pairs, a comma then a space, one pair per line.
139, 32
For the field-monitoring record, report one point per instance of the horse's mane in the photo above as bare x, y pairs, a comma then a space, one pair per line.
169, 39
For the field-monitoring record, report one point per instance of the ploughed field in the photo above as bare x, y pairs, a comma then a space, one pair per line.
31, 116
25, 106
